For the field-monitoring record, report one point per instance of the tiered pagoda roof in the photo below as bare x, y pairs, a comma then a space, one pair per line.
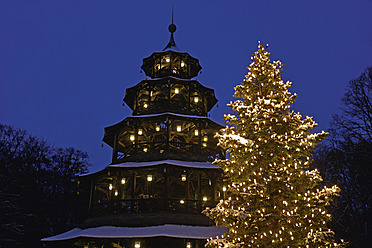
161, 176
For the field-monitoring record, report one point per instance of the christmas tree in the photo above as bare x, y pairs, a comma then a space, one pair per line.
275, 200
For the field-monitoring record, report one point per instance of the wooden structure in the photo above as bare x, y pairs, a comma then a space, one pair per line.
161, 176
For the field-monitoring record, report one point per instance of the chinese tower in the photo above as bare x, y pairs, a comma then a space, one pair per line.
161, 176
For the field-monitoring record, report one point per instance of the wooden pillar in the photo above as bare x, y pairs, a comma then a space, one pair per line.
166, 189
200, 197
114, 149
91, 195
133, 191
187, 191
167, 122
213, 190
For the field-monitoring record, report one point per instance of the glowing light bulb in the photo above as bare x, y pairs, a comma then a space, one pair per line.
149, 178
183, 178
123, 181
132, 137
176, 90
179, 128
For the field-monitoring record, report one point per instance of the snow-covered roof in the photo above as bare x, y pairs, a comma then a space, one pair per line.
169, 113
203, 165
189, 164
176, 231
181, 79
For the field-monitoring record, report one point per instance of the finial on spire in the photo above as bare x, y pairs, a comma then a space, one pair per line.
172, 28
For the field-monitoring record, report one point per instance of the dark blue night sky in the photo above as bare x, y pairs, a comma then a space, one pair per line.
65, 65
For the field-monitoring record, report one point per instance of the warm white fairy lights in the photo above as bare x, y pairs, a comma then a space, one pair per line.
274, 200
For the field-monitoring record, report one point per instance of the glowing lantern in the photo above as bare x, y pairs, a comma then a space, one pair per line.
149, 178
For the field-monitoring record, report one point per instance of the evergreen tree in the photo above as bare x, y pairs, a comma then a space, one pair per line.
274, 199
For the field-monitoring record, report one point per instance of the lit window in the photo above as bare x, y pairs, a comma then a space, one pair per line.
123, 181
176, 90
110, 186
179, 128
196, 99
137, 244
182, 201
140, 132
205, 198
149, 178
131, 137
183, 178
196, 132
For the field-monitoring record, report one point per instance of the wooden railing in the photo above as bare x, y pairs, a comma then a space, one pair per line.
150, 205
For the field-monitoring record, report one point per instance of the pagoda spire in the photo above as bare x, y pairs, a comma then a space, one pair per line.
171, 44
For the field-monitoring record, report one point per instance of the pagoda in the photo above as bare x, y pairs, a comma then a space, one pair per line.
161, 176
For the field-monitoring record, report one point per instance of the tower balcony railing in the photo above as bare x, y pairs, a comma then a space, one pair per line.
166, 105
154, 150
150, 205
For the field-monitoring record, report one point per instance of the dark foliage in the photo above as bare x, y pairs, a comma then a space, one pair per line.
38, 188
346, 159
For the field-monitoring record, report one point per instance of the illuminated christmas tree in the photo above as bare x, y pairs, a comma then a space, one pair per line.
274, 200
